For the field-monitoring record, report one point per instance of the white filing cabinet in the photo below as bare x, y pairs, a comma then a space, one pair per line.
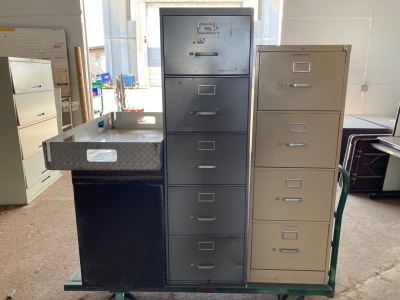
28, 117
298, 115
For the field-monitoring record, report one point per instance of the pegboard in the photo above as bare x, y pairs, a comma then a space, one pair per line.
40, 43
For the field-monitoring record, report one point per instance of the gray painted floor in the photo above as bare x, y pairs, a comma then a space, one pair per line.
39, 251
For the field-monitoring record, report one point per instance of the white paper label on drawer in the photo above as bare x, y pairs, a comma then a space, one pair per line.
293, 183
206, 145
206, 246
297, 127
206, 90
301, 67
206, 197
206, 28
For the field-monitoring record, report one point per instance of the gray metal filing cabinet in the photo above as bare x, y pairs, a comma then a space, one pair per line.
206, 56
28, 117
298, 115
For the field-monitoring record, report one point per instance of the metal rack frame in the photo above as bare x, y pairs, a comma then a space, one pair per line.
281, 289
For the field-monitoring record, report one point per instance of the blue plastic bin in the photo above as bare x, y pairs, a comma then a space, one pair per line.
129, 80
105, 77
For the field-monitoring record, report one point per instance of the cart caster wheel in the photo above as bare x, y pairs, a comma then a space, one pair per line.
283, 296
301, 297
127, 296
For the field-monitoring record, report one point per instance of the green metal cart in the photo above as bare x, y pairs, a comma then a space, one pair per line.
282, 290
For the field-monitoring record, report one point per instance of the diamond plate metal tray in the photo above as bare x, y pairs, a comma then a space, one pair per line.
115, 141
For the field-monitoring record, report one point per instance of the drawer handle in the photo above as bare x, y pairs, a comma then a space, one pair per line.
202, 219
36, 86
292, 199
40, 146
45, 178
289, 250
41, 114
44, 171
205, 267
297, 85
204, 113
206, 53
206, 167
296, 144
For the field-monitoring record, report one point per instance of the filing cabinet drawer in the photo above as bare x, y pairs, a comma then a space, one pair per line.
32, 107
31, 76
206, 258
41, 184
298, 81
206, 159
296, 140
290, 194
207, 104
209, 45
286, 276
34, 169
289, 245
31, 137
206, 210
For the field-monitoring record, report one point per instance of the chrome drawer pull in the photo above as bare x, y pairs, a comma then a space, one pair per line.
292, 199
297, 85
36, 86
296, 144
45, 178
204, 113
206, 167
206, 54
201, 219
41, 114
289, 250
206, 267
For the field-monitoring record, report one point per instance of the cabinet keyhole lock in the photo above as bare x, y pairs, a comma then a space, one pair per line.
277, 198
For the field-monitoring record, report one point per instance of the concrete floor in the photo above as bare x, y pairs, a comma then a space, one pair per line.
39, 247
39, 251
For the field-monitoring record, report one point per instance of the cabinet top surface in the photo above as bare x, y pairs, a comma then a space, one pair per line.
21, 59
200, 11
303, 48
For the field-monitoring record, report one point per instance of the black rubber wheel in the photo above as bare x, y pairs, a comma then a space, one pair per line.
283, 296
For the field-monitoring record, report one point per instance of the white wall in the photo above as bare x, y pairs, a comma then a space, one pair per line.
371, 27
50, 14
94, 22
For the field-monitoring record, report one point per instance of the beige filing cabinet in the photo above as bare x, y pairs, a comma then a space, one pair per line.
28, 117
298, 115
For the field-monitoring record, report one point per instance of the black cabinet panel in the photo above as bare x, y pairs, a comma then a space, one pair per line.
120, 230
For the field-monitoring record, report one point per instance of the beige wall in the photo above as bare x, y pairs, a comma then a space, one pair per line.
371, 27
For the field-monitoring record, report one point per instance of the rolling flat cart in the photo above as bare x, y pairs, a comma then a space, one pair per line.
282, 290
